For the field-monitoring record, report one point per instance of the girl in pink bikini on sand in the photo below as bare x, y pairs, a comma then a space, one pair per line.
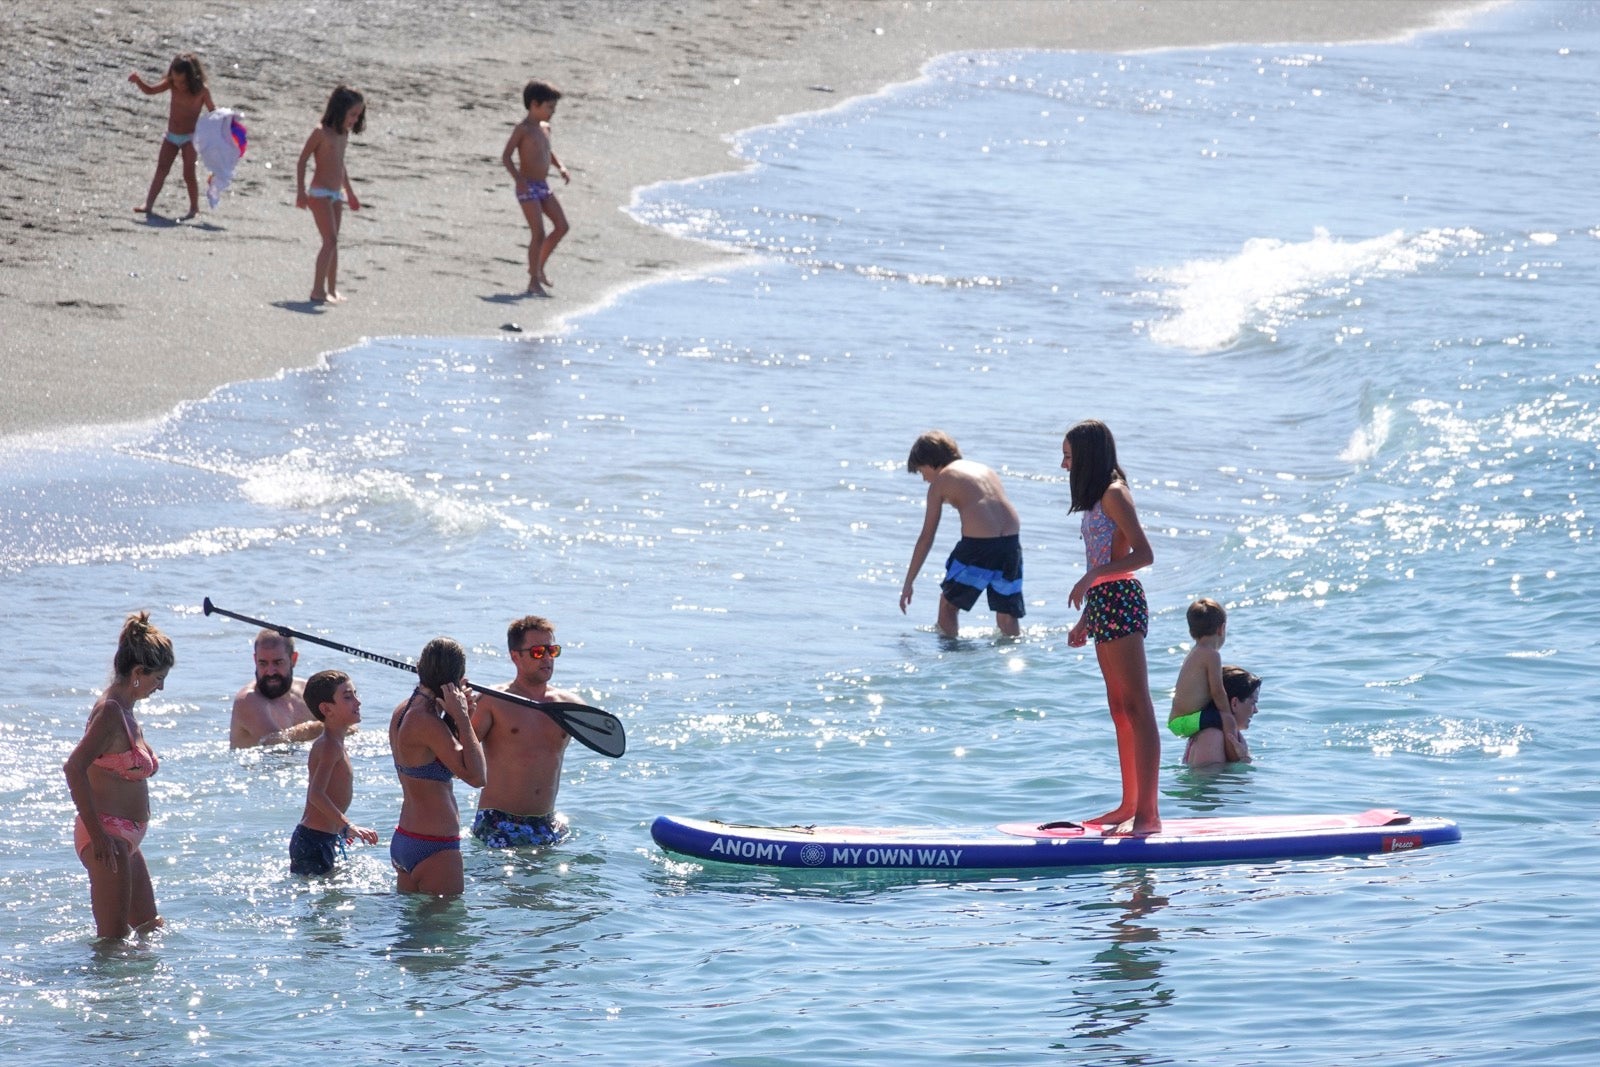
186, 81
107, 775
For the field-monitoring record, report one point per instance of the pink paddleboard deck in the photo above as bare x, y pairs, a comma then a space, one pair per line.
1245, 825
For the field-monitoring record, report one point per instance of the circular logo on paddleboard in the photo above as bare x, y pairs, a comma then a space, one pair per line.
813, 855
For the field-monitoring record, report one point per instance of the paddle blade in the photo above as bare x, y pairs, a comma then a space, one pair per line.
592, 728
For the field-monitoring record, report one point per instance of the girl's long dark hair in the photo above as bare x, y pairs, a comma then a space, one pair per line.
189, 66
443, 662
1094, 463
340, 102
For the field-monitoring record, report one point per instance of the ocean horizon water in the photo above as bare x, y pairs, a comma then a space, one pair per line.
1336, 302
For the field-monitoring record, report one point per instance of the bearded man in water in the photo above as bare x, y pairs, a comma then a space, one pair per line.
272, 710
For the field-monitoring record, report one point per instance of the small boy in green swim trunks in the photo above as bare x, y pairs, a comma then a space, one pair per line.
1199, 700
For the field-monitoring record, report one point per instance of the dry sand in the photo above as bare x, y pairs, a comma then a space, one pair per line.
110, 318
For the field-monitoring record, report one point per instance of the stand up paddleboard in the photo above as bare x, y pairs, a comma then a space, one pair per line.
1012, 846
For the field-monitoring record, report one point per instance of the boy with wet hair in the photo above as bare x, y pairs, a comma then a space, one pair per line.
988, 558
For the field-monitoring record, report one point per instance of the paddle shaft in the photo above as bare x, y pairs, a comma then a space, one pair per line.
499, 694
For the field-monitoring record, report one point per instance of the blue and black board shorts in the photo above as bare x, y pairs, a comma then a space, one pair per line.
992, 564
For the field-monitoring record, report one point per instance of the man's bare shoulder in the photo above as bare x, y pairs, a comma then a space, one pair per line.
505, 697
496, 693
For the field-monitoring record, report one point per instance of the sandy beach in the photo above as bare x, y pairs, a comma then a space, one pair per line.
110, 317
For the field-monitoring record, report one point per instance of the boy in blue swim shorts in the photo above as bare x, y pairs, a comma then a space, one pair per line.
323, 828
988, 558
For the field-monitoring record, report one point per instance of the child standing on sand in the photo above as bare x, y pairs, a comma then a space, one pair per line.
530, 144
1116, 616
331, 696
186, 81
330, 188
989, 554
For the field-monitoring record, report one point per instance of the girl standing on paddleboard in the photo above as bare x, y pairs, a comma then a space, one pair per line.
1116, 616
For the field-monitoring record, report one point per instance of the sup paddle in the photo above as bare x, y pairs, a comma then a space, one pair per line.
590, 727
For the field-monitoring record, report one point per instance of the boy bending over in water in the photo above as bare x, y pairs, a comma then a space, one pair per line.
989, 555
332, 699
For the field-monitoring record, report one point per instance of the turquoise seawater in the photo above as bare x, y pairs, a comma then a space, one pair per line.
1337, 304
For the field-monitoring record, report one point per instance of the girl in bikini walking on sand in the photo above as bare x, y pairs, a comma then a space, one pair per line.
330, 187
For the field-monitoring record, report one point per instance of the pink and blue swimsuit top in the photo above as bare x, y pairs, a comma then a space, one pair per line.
1099, 534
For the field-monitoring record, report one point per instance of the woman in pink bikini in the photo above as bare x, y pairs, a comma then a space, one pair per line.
107, 775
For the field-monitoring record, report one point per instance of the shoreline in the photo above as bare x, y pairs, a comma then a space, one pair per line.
114, 321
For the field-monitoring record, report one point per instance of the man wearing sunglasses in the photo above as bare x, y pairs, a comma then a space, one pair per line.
522, 748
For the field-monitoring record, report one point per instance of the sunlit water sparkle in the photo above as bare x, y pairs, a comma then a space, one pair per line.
1337, 304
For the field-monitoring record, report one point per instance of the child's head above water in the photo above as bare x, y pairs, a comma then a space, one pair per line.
1093, 462
321, 688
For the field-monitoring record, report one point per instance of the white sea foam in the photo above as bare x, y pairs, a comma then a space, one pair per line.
1213, 302
1368, 440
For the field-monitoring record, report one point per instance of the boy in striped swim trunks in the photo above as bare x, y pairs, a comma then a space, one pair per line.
988, 558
